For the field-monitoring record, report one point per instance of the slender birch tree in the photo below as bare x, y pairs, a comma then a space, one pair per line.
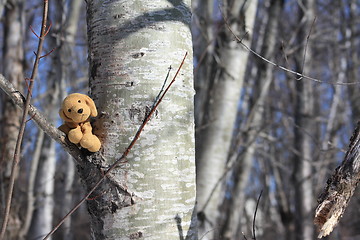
219, 88
253, 126
304, 123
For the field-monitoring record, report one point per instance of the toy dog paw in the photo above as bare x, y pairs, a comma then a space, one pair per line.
76, 111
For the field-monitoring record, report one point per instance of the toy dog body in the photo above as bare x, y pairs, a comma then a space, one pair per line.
76, 111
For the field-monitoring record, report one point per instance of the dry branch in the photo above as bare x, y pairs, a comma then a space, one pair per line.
40, 120
339, 189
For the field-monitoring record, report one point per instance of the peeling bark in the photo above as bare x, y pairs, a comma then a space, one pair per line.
339, 188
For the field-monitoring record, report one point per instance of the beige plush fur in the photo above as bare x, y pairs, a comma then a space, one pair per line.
76, 111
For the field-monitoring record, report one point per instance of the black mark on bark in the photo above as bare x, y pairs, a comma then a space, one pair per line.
138, 55
180, 229
136, 235
117, 16
114, 207
94, 69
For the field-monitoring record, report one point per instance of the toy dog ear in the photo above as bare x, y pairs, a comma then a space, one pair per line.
64, 117
91, 105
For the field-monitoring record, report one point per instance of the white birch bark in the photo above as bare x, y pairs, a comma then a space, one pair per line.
30, 201
44, 192
131, 46
67, 196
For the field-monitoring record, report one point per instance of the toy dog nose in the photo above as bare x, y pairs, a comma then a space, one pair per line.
80, 110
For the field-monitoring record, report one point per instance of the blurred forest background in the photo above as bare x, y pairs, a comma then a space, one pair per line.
258, 128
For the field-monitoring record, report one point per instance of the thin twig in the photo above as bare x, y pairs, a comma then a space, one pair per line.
48, 29
48, 53
256, 208
244, 236
32, 30
126, 152
16, 158
239, 40
305, 50
163, 86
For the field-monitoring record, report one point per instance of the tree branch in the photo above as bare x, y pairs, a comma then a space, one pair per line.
41, 121
339, 189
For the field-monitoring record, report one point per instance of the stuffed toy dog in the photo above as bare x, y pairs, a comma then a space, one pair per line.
76, 111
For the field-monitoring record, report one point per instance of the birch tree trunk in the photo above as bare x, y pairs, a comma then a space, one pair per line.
30, 200
253, 126
131, 46
44, 192
304, 128
13, 70
215, 128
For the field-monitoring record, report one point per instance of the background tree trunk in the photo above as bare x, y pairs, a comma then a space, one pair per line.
304, 125
251, 129
44, 192
13, 70
216, 124
131, 47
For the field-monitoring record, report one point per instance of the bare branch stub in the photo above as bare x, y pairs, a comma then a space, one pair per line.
254, 219
339, 188
48, 53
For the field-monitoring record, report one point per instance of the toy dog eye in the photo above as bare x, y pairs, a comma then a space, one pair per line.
79, 101
69, 110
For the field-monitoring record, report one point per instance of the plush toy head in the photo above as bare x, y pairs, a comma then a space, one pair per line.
77, 108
